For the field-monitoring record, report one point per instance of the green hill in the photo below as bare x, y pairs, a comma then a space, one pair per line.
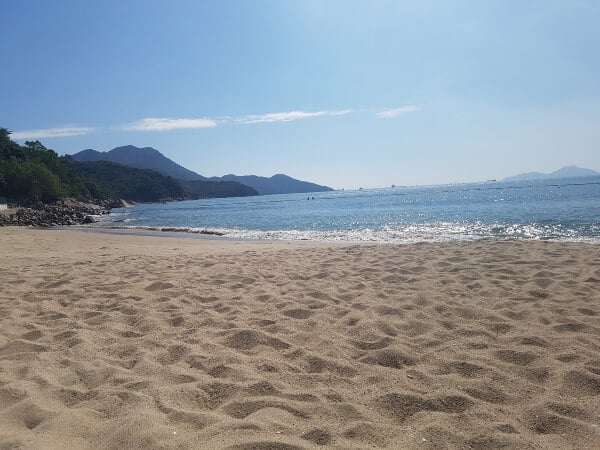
150, 158
137, 185
217, 189
277, 184
33, 173
140, 158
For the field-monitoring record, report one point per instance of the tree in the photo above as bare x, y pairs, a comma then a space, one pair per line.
34, 173
2, 185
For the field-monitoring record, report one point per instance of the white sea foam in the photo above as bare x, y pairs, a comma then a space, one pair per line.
405, 234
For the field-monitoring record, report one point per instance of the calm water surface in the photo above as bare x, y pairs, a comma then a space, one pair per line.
565, 209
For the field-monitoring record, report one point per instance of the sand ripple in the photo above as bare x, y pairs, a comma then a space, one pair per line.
139, 342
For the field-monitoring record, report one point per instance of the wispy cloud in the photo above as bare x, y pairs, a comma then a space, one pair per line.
289, 116
51, 133
395, 112
165, 124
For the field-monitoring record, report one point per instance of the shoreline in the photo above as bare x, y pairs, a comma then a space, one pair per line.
118, 340
207, 233
185, 235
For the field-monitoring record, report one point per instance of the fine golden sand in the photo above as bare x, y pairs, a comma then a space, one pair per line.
123, 342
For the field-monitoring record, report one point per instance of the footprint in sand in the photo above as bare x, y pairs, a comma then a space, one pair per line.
298, 313
248, 339
158, 286
580, 384
402, 406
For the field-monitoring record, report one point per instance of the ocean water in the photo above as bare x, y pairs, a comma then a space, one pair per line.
564, 209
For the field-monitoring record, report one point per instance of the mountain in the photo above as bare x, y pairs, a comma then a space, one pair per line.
139, 158
149, 158
277, 184
128, 183
217, 189
146, 185
33, 173
565, 172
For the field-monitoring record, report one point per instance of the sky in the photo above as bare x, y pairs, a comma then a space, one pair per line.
345, 93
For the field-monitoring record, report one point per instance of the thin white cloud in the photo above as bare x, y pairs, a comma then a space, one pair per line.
51, 133
289, 116
166, 124
395, 112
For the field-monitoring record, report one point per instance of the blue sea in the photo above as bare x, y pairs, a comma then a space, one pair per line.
563, 209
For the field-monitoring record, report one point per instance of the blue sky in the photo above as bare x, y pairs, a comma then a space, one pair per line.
344, 93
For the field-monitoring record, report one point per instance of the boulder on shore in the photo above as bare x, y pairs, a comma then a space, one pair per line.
68, 212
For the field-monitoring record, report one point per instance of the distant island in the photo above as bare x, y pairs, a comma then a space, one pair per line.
150, 158
565, 172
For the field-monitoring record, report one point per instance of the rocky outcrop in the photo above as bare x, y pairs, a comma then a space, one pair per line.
67, 212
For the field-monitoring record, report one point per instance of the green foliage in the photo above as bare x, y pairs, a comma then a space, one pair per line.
138, 185
34, 173
31, 172
217, 189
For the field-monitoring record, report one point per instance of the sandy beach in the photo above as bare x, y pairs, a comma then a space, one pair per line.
119, 341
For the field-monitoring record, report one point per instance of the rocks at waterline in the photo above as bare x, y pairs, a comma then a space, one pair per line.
40, 215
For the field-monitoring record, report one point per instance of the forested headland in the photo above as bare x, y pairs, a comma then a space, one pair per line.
32, 173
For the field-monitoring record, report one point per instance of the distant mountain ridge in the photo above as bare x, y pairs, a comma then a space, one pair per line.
145, 185
564, 172
150, 158
140, 158
277, 184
